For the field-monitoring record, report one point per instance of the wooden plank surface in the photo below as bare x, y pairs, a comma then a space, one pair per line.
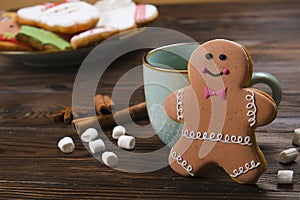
32, 167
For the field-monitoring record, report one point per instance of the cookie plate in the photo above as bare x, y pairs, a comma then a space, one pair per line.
49, 59
65, 58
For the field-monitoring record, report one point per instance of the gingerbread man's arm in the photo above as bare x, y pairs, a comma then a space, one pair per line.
264, 106
171, 106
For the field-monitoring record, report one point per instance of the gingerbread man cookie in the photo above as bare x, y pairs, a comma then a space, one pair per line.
219, 113
8, 29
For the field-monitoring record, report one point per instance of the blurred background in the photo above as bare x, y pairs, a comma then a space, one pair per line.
5, 5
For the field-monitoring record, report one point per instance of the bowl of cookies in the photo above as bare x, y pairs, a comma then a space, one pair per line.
63, 33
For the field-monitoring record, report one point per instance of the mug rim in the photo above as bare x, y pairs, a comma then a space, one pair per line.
148, 54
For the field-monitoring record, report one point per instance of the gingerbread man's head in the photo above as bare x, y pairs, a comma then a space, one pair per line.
220, 62
8, 24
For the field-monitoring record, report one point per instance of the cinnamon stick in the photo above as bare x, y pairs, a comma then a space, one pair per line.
108, 103
59, 116
68, 116
103, 104
133, 112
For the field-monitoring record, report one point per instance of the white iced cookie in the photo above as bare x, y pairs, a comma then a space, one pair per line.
92, 36
67, 17
30, 15
115, 16
145, 13
105, 5
125, 17
121, 18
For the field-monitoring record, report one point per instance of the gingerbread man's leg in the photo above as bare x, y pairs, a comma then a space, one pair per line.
244, 164
184, 158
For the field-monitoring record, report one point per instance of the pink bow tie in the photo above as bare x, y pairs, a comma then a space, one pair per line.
220, 93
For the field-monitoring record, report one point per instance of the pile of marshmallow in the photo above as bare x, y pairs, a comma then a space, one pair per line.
288, 156
110, 159
97, 145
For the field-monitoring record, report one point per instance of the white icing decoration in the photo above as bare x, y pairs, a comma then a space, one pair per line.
244, 170
121, 18
63, 14
214, 137
179, 107
125, 17
106, 5
150, 12
251, 108
92, 32
33, 13
69, 13
181, 162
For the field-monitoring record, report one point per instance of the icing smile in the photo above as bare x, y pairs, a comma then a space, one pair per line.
225, 71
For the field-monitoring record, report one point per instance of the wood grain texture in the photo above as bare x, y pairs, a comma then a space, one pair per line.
32, 167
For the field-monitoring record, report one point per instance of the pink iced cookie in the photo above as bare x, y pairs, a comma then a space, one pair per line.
145, 13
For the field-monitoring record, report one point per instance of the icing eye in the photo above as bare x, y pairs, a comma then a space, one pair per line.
222, 57
11, 26
208, 56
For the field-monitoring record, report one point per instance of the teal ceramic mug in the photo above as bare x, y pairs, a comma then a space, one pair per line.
165, 71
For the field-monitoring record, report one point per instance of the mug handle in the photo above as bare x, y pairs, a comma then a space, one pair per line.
271, 81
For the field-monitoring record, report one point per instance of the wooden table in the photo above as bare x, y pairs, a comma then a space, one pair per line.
32, 166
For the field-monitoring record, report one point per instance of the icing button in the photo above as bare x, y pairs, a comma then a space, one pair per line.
203, 69
225, 71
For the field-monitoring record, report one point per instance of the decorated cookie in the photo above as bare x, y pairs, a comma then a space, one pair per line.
125, 14
41, 39
8, 28
30, 15
145, 14
106, 5
219, 113
92, 36
115, 16
67, 17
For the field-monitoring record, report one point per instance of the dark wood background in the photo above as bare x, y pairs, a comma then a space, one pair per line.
31, 165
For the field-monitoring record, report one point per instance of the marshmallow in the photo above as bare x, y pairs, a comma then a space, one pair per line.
126, 142
97, 146
288, 155
66, 145
296, 137
285, 176
109, 158
89, 135
118, 131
